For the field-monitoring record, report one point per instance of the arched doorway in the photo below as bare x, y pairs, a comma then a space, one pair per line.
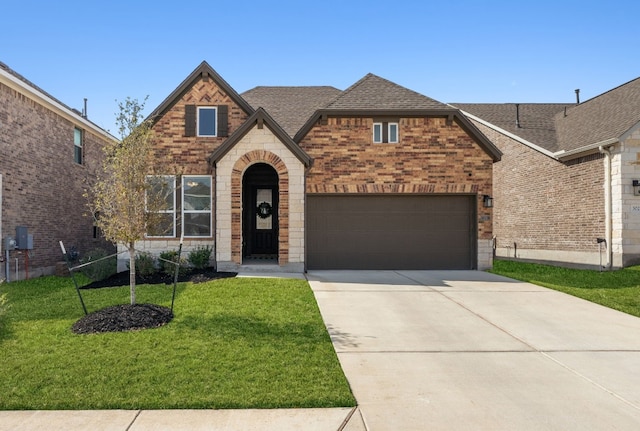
260, 214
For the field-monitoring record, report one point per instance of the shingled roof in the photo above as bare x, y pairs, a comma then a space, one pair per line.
605, 117
566, 130
291, 107
536, 120
375, 93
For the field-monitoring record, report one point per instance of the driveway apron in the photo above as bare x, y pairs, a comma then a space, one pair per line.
468, 350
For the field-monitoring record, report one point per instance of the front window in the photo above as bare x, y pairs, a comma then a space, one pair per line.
161, 206
196, 206
207, 117
77, 145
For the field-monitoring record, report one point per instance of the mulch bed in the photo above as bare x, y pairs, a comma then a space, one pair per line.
193, 276
119, 318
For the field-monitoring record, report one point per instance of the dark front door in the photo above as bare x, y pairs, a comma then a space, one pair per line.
260, 213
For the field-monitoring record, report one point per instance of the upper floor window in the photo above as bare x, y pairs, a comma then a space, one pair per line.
206, 121
207, 124
77, 145
385, 132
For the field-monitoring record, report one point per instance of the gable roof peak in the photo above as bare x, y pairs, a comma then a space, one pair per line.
203, 71
373, 92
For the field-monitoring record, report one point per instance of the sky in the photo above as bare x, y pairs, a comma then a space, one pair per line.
452, 51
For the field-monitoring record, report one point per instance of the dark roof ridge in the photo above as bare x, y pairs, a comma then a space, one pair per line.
259, 117
203, 68
291, 86
611, 90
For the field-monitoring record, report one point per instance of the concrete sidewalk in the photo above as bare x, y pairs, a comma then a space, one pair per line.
346, 419
445, 350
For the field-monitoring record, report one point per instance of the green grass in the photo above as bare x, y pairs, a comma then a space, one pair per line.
619, 289
233, 343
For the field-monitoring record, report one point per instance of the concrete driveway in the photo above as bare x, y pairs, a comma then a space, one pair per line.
467, 350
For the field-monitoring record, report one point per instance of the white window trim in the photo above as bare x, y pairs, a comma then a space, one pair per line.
374, 133
389, 125
209, 211
172, 183
397, 133
215, 109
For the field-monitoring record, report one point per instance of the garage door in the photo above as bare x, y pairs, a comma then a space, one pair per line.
390, 232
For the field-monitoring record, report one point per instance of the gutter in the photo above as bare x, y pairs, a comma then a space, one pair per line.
608, 204
577, 152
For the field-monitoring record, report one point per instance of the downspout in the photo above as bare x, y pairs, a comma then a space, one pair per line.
608, 203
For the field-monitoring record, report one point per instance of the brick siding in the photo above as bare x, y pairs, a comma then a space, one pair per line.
42, 185
544, 204
176, 152
431, 157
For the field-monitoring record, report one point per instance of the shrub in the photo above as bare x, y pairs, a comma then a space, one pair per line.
170, 268
98, 269
199, 257
145, 264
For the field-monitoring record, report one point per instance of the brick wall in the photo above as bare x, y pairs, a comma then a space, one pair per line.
431, 157
42, 185
545, 209
188, 155
177, 154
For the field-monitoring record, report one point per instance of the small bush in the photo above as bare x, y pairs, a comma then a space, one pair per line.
145, 264
199, 257
170, 268
99, 269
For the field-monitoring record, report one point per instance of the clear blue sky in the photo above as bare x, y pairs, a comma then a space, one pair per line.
452, 51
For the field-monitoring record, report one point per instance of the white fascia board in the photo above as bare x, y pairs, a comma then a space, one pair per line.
39, 97
591, 148
510, 135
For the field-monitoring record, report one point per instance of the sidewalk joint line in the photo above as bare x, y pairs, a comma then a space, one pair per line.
134, 420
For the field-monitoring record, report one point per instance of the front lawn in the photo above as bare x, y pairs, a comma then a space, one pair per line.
619, 289
233, 343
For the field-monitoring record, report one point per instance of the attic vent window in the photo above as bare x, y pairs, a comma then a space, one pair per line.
385, 133
207, 124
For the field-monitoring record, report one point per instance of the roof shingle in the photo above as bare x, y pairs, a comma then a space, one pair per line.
537, 123
567, 127
291, 107
375, 93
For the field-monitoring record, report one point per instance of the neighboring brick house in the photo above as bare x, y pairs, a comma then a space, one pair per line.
565, 181
47, 150
376, 176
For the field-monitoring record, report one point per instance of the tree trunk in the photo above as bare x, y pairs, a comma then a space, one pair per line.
132, 273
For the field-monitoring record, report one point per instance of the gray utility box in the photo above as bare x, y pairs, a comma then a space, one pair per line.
24, 241
9, 243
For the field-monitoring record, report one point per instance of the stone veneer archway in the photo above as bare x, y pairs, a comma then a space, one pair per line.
239, 168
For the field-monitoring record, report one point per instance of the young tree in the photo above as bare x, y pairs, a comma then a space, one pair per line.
122, 197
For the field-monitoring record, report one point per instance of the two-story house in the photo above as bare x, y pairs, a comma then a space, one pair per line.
373, 177
47, 152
